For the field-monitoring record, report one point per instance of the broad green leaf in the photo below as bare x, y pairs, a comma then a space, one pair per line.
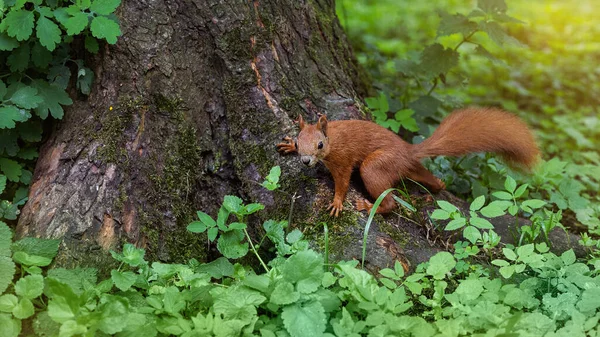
446, 206
7, 271
253, 208
440, 264
23, 309
500, 263
238, 303
503, 195
217, 269
114, 311
30, 286
104, 7
10, 168
196, 227
477, 203
232, 203
8, 302
472, 234
48, 33
40, 56
76, 23
206, 219
237, 225
307, 319
133, 256
123, 280
509, 253
455, 224
18, 60
568, 257
5, 232
452, 24
590, 300
85, 79
105, 28
495, 208
440, 214
481, 223
519, 192
31, 260
305, 269
52, 99
534, 203
59, 75
230, 244
20, 24
3, 90
35, 246
284, 294
72, 328
496, 33
9, 114
212, 234
492, 6
77, 279
26, 97
436, 59
91, 44
294, 236
9, 327
481, 51
510, 184
7, 43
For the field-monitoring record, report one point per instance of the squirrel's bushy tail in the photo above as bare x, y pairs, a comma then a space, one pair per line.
481, 130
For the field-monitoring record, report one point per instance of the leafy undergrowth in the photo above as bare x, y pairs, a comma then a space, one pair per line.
528, 291
533, 58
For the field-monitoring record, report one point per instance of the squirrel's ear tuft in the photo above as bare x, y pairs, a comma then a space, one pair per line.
300, 122
322, 124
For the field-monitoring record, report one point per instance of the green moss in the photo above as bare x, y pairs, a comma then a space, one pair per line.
112, 134
76, 253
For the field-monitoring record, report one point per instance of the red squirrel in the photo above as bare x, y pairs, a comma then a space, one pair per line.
384, 158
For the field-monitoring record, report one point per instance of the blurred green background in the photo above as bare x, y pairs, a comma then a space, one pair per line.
546, 70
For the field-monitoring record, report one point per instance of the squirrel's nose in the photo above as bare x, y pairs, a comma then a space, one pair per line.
305, 160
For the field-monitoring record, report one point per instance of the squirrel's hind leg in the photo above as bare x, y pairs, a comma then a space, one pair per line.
378, 175
420, 174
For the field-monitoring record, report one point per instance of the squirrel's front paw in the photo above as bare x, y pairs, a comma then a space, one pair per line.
363, 205
288, 146
336, 207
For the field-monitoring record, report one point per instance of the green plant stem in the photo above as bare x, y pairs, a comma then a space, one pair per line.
255, 252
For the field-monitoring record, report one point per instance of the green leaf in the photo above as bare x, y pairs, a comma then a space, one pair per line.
18, 60
507, 271
123, 280
481, 51
477, 203
105, 28
436, 59
233, 204
31, 260
24, 309
9, 114
5, 232
7, 271
19, 23
40, 56
496, 33
534, 203
76, 23
440, 264
452, 24
217, 269
509, 253
472, 234
503, 195
481, 223
230, 244
196, 227
305, 269
495, 208
91, 44
26, 97
510, 184
114, 311
9, 327
239, 303
30, 286
455, 224
8, 302
212, 234
77, 279
206, 219
52, 99
48, 33
284, 294
237, 225
519, 192
568, 257
294, 236
440, 214
253, 208
304, 320
133, 256
500, 263
104, 7
446, 206
59, 76
492, 6
7, 43
10, 168
35, 246
590, 300
72, 328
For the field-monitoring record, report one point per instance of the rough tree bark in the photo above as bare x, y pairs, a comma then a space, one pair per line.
187, 107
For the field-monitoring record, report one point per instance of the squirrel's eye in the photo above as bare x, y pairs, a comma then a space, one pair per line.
320, 146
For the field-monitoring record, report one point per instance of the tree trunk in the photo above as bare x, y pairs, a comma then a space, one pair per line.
187, 107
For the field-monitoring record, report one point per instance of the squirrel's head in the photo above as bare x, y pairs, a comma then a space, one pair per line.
312, 144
